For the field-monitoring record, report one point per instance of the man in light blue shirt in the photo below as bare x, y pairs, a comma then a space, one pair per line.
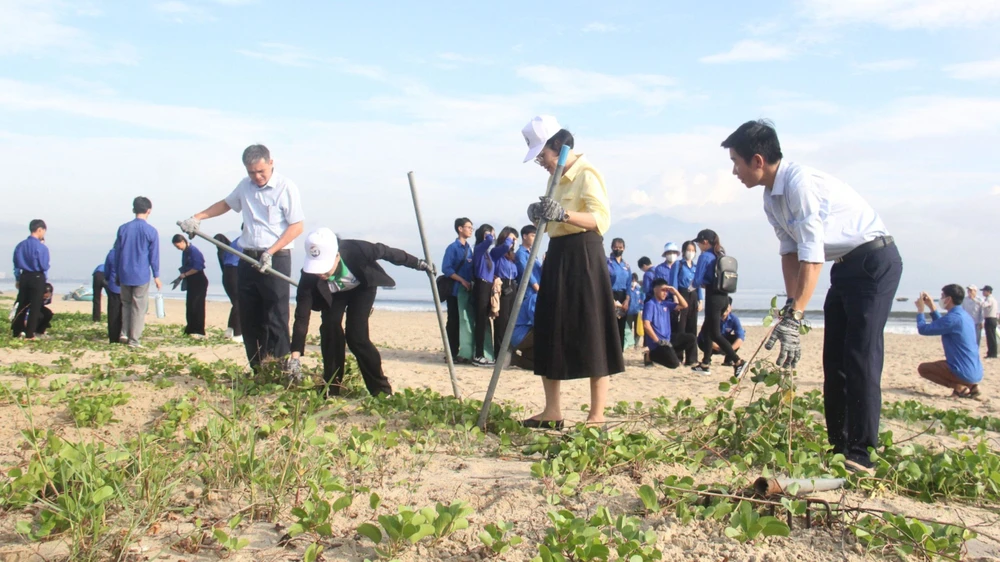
272, 219
961, 369
818, 218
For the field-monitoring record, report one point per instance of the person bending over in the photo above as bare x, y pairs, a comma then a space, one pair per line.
338, 277
663, 344
961, 369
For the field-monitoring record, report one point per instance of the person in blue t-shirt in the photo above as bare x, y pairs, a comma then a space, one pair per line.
715, 302
230, 266
648, 276
482, 290
662, 343
522, 254
621, 278
457, 266
99, 284
636, 300
523, 338
192, 280
505, 271
961, 369
115, 334
732, 330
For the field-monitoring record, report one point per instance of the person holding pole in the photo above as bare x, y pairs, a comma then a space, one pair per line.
343, 276
272, 219
818, 218
576, 330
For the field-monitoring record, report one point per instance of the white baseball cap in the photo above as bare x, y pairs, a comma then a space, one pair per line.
321, 251
537, 133
670, 247
973, 287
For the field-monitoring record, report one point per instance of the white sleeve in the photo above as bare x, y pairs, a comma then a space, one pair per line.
234, 200
787, 245
293, 204
803, 199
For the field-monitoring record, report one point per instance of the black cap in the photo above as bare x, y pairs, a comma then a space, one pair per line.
707, 236
987, 288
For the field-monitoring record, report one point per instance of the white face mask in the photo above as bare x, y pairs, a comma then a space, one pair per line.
671, 257
689, 256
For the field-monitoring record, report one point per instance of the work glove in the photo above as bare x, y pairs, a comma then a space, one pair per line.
422, 265
175, 283
787, 332
550, 210
190, 225
293, 370
264, 265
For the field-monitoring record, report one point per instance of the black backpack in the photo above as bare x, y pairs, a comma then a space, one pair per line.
726, 274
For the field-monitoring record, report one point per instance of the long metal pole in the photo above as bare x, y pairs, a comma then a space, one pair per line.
434, 289
521, 290
242, 256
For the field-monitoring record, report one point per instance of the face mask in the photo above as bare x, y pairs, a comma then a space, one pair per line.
671, 258
617, 253
689, 256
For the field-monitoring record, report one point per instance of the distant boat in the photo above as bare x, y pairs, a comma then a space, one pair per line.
902, 299
83, 293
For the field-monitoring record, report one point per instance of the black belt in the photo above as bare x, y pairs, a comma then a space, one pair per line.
257, 253
867, 248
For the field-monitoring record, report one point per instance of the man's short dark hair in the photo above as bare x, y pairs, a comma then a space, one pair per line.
177, 239
644, 261
617, 240
255, 153
528, 229
755, 137
659, 283
141, 205
36, 224
956, 292
460, 222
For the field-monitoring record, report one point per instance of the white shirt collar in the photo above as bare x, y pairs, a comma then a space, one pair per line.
780, 179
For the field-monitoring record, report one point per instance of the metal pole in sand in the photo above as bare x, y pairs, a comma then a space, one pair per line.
242, 256
434, 289
521, 289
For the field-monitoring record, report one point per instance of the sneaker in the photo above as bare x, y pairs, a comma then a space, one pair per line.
482, 362
738, 368
238, 339
701, 368
197, 336
229, 334
646, 361
855, 467
123, 340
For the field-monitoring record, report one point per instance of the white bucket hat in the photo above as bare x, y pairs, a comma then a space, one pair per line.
537, 133
321, 251
670, 247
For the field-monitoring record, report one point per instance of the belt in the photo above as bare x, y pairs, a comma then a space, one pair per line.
257, 253
867, 248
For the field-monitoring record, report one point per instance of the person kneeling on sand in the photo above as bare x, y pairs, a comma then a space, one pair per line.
961, 370
665, 348
338, 276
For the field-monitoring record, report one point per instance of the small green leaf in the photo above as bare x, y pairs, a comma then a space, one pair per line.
102, 494
312, 553
374, 501
343, 502
371, 532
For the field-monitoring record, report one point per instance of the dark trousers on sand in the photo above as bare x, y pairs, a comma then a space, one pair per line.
264, 309
481, 291
197, 289
30, 297
620, 297
670, 355
332, 335
990, 324
98, 288
230, 282
856, 310
451, 327
114, 317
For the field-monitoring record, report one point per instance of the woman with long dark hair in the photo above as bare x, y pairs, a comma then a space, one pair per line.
505, 270
715, 303
683, 280
482, 289
576, 331
192, 280
230, 265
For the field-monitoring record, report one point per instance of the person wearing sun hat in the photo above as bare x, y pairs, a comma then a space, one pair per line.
342, 277
576, 331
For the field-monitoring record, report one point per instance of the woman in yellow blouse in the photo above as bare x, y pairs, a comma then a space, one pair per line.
576, 331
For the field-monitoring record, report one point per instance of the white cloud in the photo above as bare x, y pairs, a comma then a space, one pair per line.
36, 28
891, 65
182, 12
457, 57
923, 117
749, 51
903, 14
572, 86
291, 55
976, 70
600, 27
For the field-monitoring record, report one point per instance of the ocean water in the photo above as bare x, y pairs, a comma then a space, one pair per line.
751, 305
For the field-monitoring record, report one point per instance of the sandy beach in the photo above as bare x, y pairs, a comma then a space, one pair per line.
503, 488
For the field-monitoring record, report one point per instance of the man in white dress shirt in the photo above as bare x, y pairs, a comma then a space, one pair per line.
974, 306
819, 218
272, 219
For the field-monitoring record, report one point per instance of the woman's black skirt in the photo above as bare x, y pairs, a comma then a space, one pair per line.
576, 331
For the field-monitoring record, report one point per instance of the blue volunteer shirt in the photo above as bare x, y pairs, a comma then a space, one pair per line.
525, 319
30, 255
521, 262
99, 268
229, 260
647, 282
192, 258
111, 278
457, 260
683, 277
657, 313
137, 251
621, 274
731, 326
481, 261
636, 299
503, 267
958, 337
704, 274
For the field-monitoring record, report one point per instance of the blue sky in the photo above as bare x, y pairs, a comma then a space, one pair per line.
102, 101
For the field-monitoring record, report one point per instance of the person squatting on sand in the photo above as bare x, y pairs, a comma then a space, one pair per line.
338, 277
272, 219
576, 330
666, 347
818, 218
961, 369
